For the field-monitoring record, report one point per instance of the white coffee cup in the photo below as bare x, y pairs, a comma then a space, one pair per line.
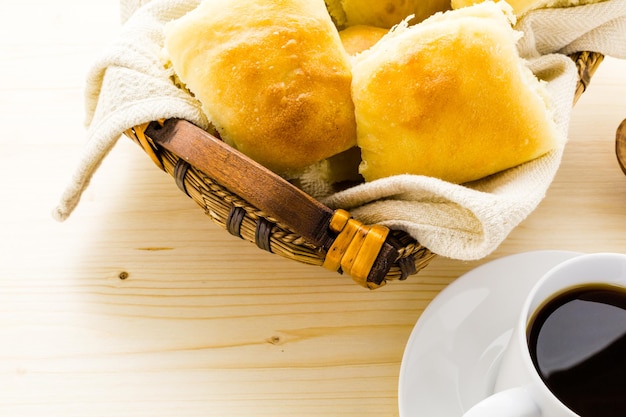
519, 389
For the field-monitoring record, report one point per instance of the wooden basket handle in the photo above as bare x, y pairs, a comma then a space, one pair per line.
364, 252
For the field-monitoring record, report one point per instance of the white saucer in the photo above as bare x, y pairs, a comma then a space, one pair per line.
450, 359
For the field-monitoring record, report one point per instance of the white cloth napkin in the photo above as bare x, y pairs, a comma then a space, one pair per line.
129, 86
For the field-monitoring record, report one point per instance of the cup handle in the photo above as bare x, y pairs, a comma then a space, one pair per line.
513, 402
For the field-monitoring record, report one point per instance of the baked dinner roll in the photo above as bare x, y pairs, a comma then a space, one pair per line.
450, 98
272, 76
382, 13
520, 7
356, 39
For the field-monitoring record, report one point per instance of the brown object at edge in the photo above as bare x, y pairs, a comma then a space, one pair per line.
620, 145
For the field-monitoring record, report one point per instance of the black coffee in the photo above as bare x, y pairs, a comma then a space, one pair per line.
577, 342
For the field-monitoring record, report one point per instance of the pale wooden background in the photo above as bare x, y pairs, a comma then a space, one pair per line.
206, 324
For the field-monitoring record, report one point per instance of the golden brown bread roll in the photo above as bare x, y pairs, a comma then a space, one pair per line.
358, 38
521, 7
450, 98
272, 76
382, 13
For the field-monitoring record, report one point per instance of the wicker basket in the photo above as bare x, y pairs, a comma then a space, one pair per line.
249, 202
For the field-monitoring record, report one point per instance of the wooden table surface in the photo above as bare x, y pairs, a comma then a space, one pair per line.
205, 324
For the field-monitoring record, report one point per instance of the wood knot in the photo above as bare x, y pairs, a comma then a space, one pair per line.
274, 340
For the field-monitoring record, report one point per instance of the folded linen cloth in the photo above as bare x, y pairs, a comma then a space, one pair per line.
130, 85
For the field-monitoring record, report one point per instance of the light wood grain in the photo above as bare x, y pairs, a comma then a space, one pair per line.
203, 323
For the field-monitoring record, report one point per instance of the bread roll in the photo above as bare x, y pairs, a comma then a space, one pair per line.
357, 39
272, 76
521, 7
382, 13
450, 98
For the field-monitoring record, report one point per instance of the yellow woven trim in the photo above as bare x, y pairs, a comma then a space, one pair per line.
367, 255
340, 245
355, 248
350, 257
339, 220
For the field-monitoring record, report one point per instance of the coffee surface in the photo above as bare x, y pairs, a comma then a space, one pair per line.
577, 342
